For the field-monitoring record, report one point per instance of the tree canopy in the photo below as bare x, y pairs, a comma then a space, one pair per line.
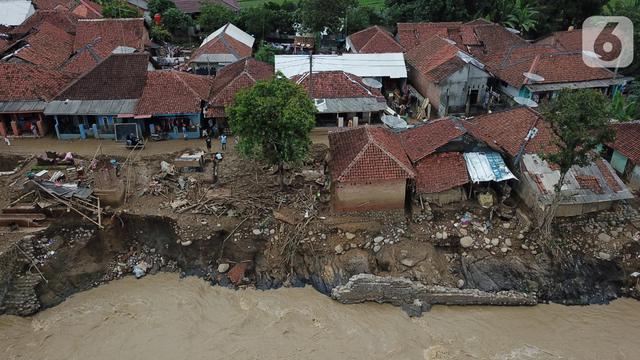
160, 6
266, 53
273, 120
175, 20
630, 9
580, 119
315, 15
213, 16
119, 9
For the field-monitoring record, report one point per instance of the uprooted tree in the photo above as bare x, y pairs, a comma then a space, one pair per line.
580, 119
273, 120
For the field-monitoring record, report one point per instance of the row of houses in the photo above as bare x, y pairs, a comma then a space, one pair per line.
448, 160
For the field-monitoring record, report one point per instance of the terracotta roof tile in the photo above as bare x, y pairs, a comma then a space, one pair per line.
374, 39
120, 76
572, 40
235, 77
440, 172
336, 85
223, 44
30, 82
60, 18
627, 140
367, 154
608, 175
173, 92
411, 35
506, 131
436, 59
48, 46
424, 140
589, 182
88, 10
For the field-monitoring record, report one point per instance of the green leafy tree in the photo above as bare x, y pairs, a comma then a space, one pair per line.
630, 9
160, 6
315, 15
425, 10
119, 9
213, 16
522, 16
359, 18
580, 119
175, 20
159, 33
266, 53
623, 109
273, 120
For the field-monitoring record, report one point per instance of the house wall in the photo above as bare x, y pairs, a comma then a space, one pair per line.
458, 84
426, 88
446, 197
382, 195
634, 178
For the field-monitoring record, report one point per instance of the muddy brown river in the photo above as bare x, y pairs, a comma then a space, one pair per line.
163, 317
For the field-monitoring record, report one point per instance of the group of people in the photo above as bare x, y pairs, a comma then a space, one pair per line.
223, 141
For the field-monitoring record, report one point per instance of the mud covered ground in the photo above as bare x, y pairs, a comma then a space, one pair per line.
243, 231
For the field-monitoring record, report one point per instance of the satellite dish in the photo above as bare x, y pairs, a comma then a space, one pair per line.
513, 31
533, 77
372, 83
525, 101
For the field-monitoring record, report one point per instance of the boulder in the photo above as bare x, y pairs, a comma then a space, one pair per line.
466, 242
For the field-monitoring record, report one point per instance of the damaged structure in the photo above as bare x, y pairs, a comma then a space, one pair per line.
223, 47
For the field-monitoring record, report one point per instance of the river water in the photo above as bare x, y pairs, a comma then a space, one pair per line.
163, 317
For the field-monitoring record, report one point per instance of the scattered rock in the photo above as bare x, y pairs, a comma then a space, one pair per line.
378, 239
466, 242
524, 247
350, 236
223, 268
257, 232
407, 262
495, 242
506, 225
460, 283
604, 237
376, 248
186, 243
339, 249
504, 250
507, 242
604, 256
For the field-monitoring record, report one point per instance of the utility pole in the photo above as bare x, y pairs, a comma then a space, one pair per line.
310, 72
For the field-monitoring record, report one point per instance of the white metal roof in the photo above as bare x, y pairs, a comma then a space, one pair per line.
235, 32
487, 166
389, 65
15, 12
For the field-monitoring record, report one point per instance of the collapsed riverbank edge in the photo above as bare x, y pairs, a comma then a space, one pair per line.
42, 270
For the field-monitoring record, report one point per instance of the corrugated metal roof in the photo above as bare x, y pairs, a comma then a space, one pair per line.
389, 65
215, 58
15, 12
345, 105
7, 107
487, 166
577, 85
91, 107
233, 31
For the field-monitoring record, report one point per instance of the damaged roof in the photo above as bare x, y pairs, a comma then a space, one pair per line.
374, 39
366, 154
227, 44
233, 78
60, 18
506, 131
440, 172
47, 46
173, 92
423, 140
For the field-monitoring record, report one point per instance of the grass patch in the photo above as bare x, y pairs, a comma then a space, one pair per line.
376, 4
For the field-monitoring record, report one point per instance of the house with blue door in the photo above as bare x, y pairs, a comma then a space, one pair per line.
93, 104
172, 103
624, 152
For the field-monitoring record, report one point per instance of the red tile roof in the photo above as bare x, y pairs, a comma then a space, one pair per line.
30, 82
232, 78
120, 76
589, 182
440, 172
48, 46
627, 140
60, 18
553, 65
572, 40
506, 131
337, 85
223, 44
367, 154
88, 10
374, 39
436, 59
480, 38
105, 35
173, 92
608, 175
193, 6
423, 140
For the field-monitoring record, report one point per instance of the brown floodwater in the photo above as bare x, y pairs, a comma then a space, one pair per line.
163, 317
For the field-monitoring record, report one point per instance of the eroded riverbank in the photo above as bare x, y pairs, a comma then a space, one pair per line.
163, 317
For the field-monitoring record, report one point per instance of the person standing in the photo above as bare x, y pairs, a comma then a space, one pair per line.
207, 141
223, 141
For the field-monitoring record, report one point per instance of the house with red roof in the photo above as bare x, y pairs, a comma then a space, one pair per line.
223, 47
373, 40
47, 45
25, 90
172, 104
341, 98
369, 169
624, 152
96, 39
523, 136
452, 80
229, 81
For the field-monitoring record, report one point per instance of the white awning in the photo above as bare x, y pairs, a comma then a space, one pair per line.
487, 166
389, 65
